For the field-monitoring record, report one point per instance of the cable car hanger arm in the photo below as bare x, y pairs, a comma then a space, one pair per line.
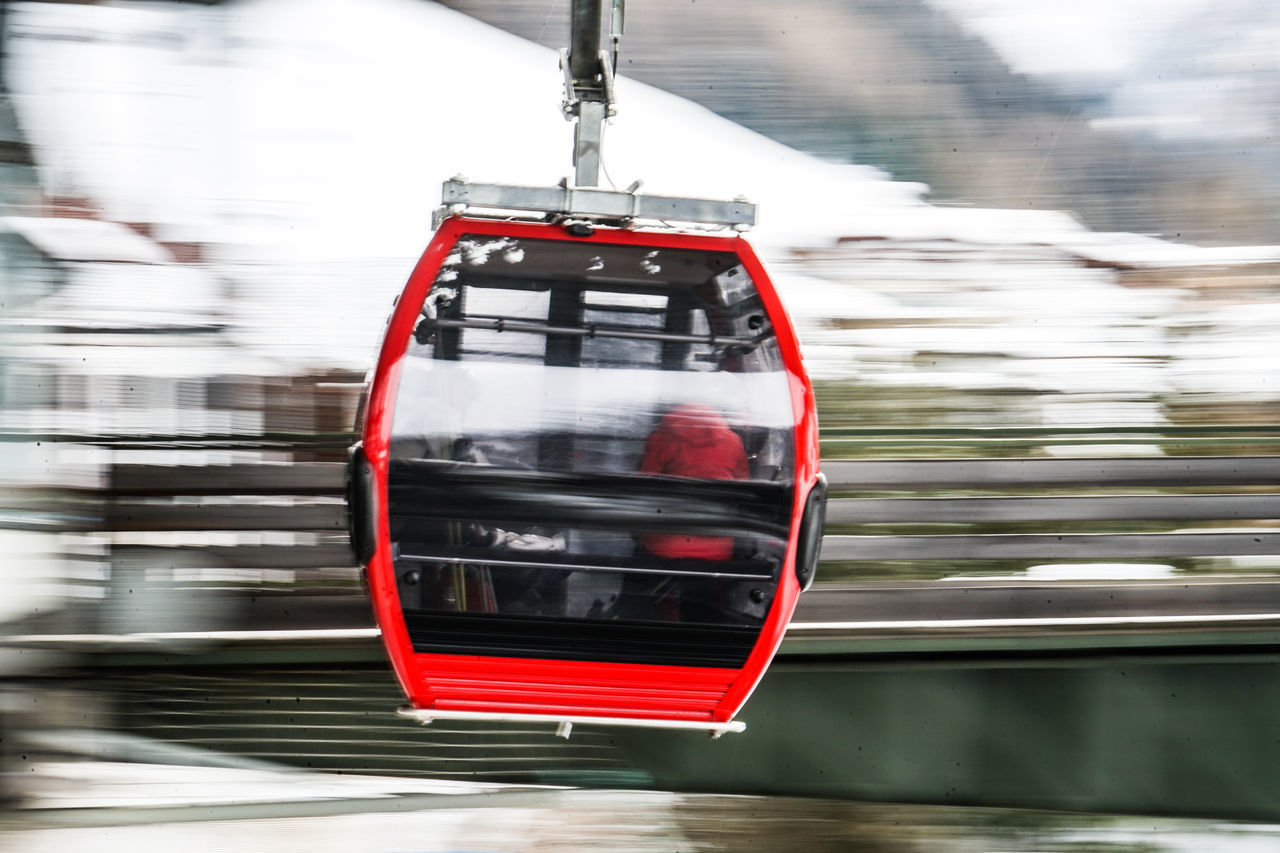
589, 101
588, 83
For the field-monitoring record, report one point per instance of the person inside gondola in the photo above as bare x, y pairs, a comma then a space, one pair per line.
692, 440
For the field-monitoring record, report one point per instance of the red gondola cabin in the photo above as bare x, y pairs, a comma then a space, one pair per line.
588, 484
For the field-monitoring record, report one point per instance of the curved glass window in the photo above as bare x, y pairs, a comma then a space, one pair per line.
592, 455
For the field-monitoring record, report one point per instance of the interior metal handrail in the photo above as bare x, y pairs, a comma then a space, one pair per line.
483, 559
590, 330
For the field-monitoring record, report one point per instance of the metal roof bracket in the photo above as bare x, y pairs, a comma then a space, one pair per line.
591, 203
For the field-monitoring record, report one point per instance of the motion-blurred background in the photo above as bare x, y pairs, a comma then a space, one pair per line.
986, 216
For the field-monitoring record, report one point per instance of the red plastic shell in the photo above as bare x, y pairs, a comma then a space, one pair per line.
535, 686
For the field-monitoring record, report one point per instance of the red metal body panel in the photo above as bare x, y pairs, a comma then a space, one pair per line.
535, 686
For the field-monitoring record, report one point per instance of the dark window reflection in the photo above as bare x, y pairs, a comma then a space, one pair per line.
590, 435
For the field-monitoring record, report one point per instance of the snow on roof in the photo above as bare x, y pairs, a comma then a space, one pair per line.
170, 358
1138, 250
130, 296
65, 239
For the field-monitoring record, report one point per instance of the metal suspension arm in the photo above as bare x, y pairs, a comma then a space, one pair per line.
584, 38
589, 102
588, 81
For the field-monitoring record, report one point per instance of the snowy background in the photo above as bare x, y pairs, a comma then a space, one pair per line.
302, 145
229, 198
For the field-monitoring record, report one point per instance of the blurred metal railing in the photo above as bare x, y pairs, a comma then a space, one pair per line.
307, 497
1088, 479
247, 531
343, 719
273, 534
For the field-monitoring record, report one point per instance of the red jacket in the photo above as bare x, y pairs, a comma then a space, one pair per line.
693, 440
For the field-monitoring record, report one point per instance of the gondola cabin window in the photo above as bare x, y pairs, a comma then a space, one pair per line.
591, 455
